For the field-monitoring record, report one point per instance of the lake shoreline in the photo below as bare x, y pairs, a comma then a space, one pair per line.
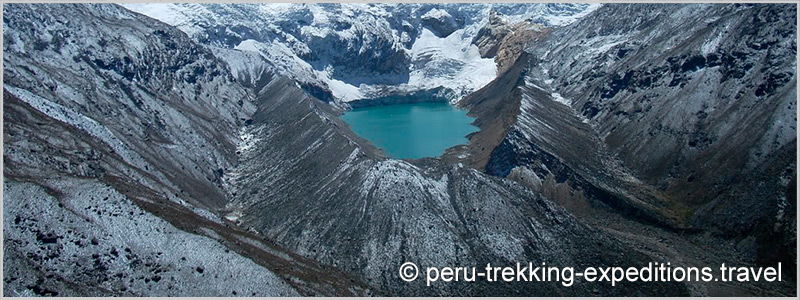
412, 130
417, 96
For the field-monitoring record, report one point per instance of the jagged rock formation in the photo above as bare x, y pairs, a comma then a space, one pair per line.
346, 52
488, 38
513, 43
505, 42
440, 22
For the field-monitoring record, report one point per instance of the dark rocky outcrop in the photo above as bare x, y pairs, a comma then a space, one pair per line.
489, 37
440, 22
505, 42
678, 116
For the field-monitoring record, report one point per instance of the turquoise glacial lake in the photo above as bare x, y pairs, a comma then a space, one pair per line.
412, 130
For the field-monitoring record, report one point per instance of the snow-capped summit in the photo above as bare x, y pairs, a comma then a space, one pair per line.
350, 51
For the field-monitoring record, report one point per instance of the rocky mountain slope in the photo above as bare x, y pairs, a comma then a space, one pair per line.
208, 158
117, 130
680, 116
703, 109
330, 197
167, 138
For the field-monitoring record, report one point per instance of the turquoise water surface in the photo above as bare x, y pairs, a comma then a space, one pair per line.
412, 130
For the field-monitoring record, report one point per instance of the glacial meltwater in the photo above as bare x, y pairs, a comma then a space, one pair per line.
412, 130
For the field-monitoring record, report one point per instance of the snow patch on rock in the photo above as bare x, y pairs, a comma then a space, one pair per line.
109, 231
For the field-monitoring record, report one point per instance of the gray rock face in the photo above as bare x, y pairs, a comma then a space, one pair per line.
734, 58
440, 22
678, 115
117, 131
152, 87
489, 37
733, 76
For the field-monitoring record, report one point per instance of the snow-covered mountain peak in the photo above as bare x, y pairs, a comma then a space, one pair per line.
350, 50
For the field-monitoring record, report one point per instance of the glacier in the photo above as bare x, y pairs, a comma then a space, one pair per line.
359, 51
